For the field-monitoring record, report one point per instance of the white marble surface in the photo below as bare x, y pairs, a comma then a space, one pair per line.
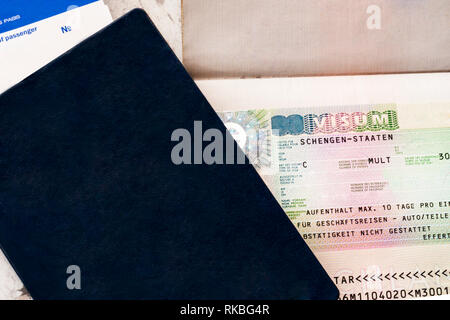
10, 285
165, 14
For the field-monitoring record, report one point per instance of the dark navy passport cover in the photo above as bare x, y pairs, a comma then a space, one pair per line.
86, 179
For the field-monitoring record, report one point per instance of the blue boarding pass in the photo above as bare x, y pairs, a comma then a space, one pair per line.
34, 32
18, 13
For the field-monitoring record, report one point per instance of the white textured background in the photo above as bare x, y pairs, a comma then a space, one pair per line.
166, 14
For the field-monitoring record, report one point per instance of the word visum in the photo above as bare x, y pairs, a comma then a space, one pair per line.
329, 123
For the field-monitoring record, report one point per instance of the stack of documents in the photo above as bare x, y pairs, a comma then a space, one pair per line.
89, 182
360, 164
32, 34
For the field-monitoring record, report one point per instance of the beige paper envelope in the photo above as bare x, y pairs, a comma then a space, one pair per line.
281, 38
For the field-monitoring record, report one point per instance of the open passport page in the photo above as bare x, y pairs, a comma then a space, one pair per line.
361, 165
